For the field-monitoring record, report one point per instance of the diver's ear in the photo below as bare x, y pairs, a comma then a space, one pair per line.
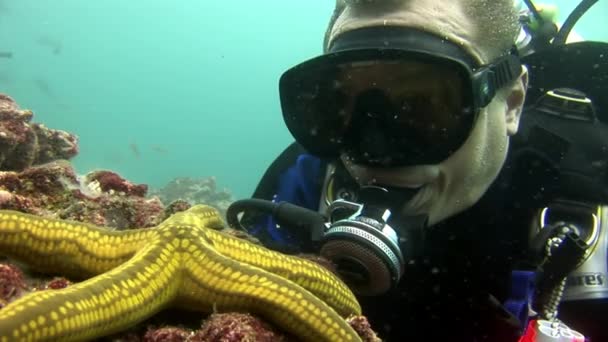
515, 98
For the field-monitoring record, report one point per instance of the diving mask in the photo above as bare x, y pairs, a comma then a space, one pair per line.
389, 96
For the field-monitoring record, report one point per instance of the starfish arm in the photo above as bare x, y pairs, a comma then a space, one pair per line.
96, 307
214, 281
73, 249
308, 274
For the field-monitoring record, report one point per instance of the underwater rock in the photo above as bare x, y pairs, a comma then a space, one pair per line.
38, 190
195, 191
12, 283
232, 327
236, 327
217, 327
110, 181
363, 328
23, 143
176, 206
168, 334
54, 190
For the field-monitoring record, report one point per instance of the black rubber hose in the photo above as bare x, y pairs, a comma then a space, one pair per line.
286, 214
240, 206
579, 11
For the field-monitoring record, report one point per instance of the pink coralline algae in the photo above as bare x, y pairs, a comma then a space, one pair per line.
110, 181
363, 328
54, 190
57, 283
23, 143
168, 334
12, 283
236, 327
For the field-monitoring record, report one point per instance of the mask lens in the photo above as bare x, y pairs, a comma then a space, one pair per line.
388, 112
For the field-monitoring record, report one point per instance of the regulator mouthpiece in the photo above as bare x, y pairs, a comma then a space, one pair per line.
371, 246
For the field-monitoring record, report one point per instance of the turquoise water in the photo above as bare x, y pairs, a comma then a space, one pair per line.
162, 89
592, 26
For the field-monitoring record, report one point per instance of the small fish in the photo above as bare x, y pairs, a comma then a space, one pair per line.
49, 42
135, 150
159, 149
44, 87
6, 54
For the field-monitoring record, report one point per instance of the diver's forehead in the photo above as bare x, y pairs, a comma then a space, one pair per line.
445, 18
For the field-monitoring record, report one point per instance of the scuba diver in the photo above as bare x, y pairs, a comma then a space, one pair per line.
408, 171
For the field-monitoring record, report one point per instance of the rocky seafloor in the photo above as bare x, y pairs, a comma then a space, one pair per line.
36, 177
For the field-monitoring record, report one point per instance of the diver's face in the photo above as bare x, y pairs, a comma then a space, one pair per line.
459, 181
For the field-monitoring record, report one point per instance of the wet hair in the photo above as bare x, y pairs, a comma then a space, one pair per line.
497, 21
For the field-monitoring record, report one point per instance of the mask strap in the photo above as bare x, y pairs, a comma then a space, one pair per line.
495, 76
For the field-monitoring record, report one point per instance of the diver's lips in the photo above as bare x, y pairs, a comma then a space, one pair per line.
418, 178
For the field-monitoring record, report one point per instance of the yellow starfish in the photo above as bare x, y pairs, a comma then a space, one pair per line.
184, 262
